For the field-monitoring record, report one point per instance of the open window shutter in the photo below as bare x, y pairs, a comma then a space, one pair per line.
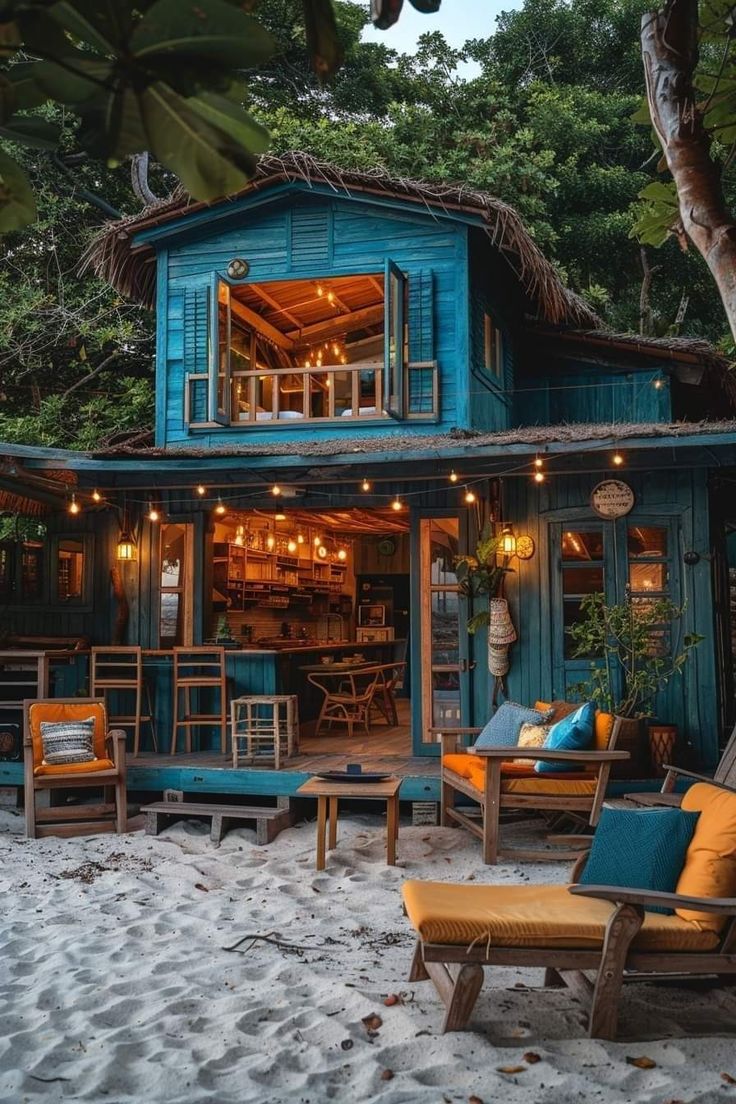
421, 317
218, 354
393, 359
196, 356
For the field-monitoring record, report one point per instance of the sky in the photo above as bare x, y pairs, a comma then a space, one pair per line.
458, 20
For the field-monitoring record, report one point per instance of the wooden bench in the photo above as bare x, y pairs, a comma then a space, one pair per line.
269, 821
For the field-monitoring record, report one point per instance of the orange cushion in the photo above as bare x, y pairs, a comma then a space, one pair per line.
56, 769
710, 862
56, 712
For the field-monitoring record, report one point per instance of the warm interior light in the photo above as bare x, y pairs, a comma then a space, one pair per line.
300, 538
279, 517
292, 546
539, 462
365, 485
617, 459
153, 514
201, 490
276, 490
322, 552
508, 541
270, 542
317, 542
342, 554
127, 551
239, 536
539, 477
470, 497
396, 504
220, 507
74, 507
453, 476
96, 496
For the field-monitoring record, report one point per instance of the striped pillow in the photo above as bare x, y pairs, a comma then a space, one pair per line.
68, 741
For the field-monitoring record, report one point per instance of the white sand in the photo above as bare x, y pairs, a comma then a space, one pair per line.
118, 989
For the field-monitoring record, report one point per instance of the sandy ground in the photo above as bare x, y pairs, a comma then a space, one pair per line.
115, 984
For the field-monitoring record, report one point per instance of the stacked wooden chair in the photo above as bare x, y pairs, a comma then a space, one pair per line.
575, 929
491, 778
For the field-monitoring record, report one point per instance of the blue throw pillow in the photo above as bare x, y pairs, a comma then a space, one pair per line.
504, 726
573, 733
640, 848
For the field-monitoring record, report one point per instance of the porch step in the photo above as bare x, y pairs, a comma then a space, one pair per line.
269, 821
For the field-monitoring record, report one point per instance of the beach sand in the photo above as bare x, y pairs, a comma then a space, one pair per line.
115, 984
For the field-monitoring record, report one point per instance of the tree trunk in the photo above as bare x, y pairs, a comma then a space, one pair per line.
669, 43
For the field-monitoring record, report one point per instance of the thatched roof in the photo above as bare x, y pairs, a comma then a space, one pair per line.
535, 437
31, 495
131, 270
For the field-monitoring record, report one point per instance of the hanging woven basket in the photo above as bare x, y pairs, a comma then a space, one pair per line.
500, 626
498, 659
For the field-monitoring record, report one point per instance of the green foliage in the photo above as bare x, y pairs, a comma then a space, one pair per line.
658, 213
481, 575
629, 643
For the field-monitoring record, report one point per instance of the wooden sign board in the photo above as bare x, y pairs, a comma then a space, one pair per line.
612, 499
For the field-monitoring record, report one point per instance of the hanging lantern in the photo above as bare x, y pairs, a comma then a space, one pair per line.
508, 541
127, 551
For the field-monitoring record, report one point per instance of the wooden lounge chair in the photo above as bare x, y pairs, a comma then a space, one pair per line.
724, 775
490, 777
573, 929
106, 772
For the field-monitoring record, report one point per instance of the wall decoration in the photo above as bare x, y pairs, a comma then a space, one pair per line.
525, 547
612, 499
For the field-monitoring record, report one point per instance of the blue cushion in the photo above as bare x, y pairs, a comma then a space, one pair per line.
504, 726
640, 848
573, 733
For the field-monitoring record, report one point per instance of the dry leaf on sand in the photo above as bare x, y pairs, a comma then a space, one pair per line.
372, 1022
510, 1069
641, 1063
728, 1079
532, 1057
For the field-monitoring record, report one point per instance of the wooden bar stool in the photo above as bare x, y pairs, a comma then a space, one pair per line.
264, 726
198, 669
119, 670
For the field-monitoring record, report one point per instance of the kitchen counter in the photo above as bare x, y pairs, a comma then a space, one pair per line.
299, 648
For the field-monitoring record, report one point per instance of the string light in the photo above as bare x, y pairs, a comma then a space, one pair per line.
275, 490
470, 496
396, 504
658, 383
617, 459
292, 546
153, 514
220, 507
365, 485
279, 517
300, 538
96, 496
453, 476
317, 542
538, 462
320, 290
201, 490
239, 536
74, 507
539, 477
342, 554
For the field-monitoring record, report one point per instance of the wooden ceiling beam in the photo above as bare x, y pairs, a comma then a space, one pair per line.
245, 314
318, 331
269, 299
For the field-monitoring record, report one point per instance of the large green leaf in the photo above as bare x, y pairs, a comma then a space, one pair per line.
26, 93
31, 131
75, 80
206, 159
233, 119
201, 29
102, 24
658, 213
323, 41
17, 202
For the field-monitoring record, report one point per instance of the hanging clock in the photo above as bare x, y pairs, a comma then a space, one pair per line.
525, 547
387, 546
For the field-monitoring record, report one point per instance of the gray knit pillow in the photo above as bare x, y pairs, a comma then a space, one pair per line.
68, 741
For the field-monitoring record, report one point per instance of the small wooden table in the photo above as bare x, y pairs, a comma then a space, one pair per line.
328, 795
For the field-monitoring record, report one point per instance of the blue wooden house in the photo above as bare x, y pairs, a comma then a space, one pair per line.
353, 374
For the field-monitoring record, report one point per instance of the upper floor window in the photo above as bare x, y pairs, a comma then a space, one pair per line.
492, 348
333, 349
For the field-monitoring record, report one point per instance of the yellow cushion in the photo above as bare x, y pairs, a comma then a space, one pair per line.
73, 768
531, 736
67, 711
567, 785
533, 916
710, 862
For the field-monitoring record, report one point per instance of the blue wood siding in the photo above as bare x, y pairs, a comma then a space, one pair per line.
313, 237
556, 390
490, 291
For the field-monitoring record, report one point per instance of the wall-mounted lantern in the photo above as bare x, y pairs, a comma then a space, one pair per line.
127, 550
508, 541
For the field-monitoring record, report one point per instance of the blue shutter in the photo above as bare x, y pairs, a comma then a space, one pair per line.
421, 316
195, 346
393, 338
310, 236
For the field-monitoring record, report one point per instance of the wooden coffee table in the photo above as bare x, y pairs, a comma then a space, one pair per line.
328, 795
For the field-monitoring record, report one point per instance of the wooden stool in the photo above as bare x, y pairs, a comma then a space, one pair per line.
270, 720
120, 669
198, 669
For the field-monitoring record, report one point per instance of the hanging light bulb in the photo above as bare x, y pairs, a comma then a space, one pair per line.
538, 462
470, 497
292, 545
275, 490
201, 490
320, 290
96, 496
396, 504
239, 536
300, 538
279, 517
330, 297
617, 459
317, 542
658, 383
153, 514
539, 477
74, 507
270, 542
342, 554
453, 476
365, 485
220, 507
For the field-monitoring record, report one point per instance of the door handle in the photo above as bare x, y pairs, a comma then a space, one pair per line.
466, 665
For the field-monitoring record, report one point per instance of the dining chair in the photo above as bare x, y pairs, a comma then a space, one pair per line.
347, 697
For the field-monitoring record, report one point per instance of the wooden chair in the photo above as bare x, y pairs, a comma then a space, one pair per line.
347, 697
390, 680
724, 775
491, 779
106, 772
198, 669
573, 929
119, 670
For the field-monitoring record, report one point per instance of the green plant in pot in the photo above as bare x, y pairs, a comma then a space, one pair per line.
223, 632
633, 655
481, 575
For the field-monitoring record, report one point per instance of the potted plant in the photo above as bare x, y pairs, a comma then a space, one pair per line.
480, 576
633, 655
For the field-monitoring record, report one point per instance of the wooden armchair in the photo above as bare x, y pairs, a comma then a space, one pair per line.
572, 929
724, 775
347, 697
106, 772
491, 778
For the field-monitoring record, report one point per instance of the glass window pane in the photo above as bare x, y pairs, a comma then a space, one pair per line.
444, 538
445, 698
645, 577
70, 570
582, 580
647, 541
31, 579
172, 555
582, 544
169, 634
6, 570
571, 615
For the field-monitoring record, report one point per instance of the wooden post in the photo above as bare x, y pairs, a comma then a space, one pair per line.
321, 830
491, 811
620, 931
